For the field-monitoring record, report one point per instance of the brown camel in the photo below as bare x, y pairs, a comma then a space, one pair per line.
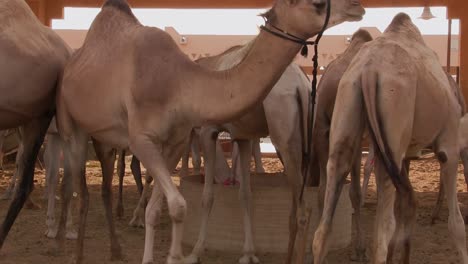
326, 94
27, 48
154, 96
397, 84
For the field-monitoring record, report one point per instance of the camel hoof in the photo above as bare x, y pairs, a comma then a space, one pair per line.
192, 259
249, 259
137, 222
51, 232
71, 235
359, 255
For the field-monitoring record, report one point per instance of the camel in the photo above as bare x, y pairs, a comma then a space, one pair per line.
397, 84
155, 95
463, 148
326, 94
27, 48
285, 127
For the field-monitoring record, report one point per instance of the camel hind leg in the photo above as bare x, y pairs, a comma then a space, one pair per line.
106, 156
448, 155
356, 198
345, 137
121, 174
33, 137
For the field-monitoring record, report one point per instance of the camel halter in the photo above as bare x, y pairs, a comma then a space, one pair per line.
306, 152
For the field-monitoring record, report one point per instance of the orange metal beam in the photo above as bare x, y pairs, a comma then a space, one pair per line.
464, 57
240, 3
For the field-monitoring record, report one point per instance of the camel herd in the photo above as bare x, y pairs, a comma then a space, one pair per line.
130, 88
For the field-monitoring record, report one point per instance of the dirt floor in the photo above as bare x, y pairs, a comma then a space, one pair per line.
26, 242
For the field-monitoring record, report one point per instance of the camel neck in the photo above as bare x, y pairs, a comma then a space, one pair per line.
230, 94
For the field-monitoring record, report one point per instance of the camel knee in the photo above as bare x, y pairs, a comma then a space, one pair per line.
177, 208
442, 156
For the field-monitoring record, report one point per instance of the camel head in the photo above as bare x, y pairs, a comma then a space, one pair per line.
305, 18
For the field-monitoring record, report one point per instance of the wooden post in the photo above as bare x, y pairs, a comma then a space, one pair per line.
464, 56
449, 44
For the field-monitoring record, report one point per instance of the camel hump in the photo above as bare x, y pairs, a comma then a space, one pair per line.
401, 22
401, 18
362, 34
121, 5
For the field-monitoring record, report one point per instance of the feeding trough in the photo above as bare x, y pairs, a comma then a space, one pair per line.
271, 206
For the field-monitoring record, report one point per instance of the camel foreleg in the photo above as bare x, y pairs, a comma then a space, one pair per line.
245, 196
33, 137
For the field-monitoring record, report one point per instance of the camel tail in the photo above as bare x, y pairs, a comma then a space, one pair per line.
369, 91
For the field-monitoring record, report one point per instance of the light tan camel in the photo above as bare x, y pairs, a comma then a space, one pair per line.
285, 125
398, 83
463, 147
326, 94
154, 96
32, 57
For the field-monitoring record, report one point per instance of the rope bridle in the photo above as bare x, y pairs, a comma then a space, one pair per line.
306, 152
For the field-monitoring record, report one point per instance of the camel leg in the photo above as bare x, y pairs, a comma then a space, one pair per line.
12, 186
245, 196
440, 198
464, 158
75, 152
405, 208
158, 163
368, 167
345, 137
223, 171
33, 137
139, 212
208, 142
195, 148
3, 135
448, 158
355, 197
257, 155
121, 174
106, 156
385, 219
185, 157
136, 171
52, 159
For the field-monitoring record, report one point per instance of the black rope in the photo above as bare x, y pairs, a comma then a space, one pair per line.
285, 35
311, 109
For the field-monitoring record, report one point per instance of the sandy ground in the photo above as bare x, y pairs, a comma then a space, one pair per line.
26, 242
